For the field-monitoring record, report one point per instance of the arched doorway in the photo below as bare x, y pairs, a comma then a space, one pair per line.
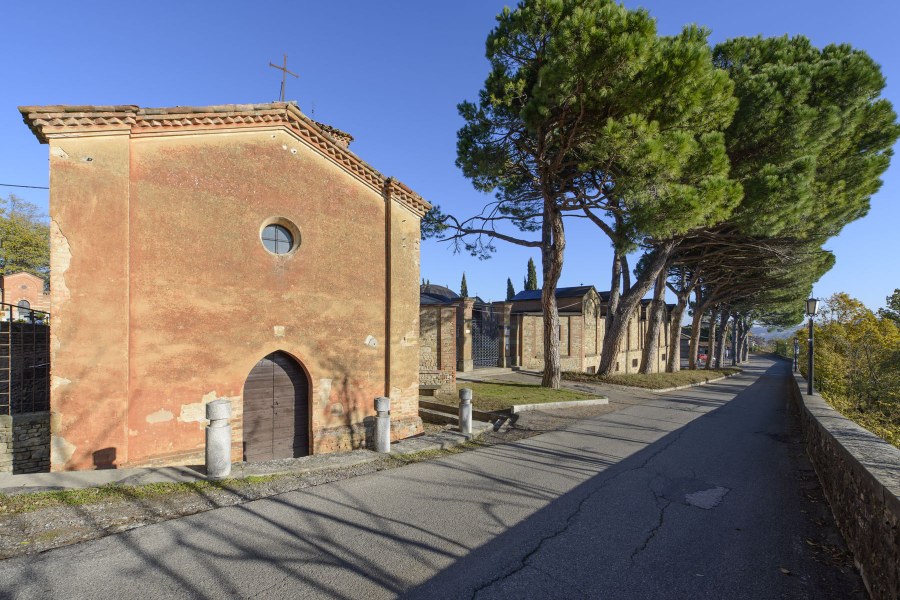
276, 410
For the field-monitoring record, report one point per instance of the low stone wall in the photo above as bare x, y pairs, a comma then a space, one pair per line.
25, 443
860, 475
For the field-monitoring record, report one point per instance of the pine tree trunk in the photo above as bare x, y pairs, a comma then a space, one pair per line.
725, 315
673, 358
629, 301
614, 287
655, 311
552, 250
711, 341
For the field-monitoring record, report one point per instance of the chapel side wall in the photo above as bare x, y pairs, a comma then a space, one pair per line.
199, 204
404, 318
89, 238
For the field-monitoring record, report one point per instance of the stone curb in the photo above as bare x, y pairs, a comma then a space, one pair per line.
518, 408
43, 482
684, 387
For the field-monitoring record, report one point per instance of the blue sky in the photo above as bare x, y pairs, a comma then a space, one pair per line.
390, 73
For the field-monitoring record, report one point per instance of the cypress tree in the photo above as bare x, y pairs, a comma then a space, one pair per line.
531, 279
510, 290
463, 288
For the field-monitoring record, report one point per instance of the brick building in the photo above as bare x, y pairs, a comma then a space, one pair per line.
238, 251
582, 327
25, 291
438, 306
511, 334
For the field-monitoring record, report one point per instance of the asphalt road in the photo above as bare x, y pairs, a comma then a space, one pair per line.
701, 493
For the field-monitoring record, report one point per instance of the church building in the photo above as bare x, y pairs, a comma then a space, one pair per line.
237, 251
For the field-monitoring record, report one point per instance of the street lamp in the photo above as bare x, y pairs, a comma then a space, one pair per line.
812, 307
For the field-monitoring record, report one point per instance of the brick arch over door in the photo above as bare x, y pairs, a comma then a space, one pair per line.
276, 409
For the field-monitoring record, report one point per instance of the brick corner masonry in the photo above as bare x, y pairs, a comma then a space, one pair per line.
860, 474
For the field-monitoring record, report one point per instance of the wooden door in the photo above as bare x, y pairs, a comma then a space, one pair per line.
276, 410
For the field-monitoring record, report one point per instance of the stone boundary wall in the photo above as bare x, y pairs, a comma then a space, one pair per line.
437, 347
860, 475
25, 443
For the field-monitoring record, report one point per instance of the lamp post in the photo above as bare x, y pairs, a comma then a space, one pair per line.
812, 307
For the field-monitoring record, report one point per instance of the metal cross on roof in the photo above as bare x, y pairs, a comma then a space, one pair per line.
284, 73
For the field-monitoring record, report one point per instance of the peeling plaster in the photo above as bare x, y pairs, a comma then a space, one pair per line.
58, 152
61, 451
57, 382
279, 330
195, 412
324, 390
371, 342
132, 432
161, 416
60, 259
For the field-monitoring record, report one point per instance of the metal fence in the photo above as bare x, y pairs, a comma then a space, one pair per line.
24, 360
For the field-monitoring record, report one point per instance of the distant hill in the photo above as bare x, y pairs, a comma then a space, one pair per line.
778, 334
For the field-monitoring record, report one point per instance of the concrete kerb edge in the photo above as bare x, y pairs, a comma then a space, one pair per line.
518, 408
684, 387
429, 442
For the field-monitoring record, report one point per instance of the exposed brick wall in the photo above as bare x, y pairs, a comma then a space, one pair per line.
25, 443
437, 347
857, 470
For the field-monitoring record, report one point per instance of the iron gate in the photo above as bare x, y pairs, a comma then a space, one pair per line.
485, 338
24, 360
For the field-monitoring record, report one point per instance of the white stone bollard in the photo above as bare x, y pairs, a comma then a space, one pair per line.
218, 439
465, 411
383, 424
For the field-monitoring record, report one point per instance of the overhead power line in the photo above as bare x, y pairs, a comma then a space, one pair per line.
32, 187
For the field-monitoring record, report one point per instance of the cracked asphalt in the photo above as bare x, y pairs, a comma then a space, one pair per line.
699, 493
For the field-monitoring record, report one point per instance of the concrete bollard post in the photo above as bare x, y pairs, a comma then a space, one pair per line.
383, 424
465, 411
218, 439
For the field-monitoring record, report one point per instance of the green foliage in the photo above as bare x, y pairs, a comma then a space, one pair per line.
531, 280
463, 288
892, 309
586, 104
510, 290
24, 238
856, 364
811, 137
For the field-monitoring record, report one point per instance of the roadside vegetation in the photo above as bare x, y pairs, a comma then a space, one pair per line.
501, 396
655, 381
857, 361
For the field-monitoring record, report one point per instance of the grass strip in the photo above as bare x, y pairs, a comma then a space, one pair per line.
497, 396
654, 381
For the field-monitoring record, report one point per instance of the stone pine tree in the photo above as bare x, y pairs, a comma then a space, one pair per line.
586, 107
463, 288
531, 282
891, 309
510, 290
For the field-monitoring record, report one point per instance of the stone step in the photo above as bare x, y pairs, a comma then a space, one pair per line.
477, 415
437, 417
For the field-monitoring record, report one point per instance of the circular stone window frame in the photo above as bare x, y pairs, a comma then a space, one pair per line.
292, 228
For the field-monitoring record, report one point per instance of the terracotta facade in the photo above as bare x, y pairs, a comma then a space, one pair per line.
18, 287
164, 297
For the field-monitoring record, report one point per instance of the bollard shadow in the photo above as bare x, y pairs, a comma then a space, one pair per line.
441, 529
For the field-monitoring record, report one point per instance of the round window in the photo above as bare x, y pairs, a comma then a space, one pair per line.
277, 239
